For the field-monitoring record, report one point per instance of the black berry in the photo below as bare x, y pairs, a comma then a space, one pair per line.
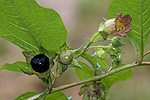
40, 63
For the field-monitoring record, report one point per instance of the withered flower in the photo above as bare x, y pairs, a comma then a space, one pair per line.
122, 24
119, 25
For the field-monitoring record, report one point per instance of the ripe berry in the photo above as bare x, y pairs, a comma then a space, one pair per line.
40, 63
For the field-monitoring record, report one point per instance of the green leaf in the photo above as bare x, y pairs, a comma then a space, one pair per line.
61, 68
110, 80
90, 59
103, 63
139, 11
18, 66
31, 26
26, 95
85, 72
95, 61
56, 96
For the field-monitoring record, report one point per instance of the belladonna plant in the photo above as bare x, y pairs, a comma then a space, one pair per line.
41, 35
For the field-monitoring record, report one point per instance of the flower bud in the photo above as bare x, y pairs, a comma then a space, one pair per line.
116, 42
109, 26
65, 57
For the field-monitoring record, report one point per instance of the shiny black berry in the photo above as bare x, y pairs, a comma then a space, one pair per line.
40, 63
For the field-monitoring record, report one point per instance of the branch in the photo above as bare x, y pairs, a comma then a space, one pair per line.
96, 78
85, 49
145, 63
148, 52
91, 41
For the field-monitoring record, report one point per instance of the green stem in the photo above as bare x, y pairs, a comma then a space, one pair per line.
93, 38
96, 78
84, 50
142, 33
99, 47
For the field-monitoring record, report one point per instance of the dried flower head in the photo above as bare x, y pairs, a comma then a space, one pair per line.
122, 24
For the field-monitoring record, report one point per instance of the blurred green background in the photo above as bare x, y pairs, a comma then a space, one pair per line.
81, 18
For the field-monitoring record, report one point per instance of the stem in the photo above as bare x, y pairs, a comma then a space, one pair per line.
145, 63
93, 38
96, 78
85, 49
99, 47
148, 52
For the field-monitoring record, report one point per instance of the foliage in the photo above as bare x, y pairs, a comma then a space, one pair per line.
30, 26
37, 30
26, 95
139, 11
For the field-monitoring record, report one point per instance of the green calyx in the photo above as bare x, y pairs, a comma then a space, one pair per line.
116, 42
65, 57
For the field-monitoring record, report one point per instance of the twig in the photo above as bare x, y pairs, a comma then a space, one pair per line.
99, 46
145, 63
92, 40
96, 78
85, 49
148, 52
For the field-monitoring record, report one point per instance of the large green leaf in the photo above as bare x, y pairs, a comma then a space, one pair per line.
16, 67
56, 96
139, 11
114, 78
26, 95
84, 72
30, 26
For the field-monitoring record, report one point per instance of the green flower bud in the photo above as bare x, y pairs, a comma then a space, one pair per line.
116, 61
65, 57
104, 35
116, 42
